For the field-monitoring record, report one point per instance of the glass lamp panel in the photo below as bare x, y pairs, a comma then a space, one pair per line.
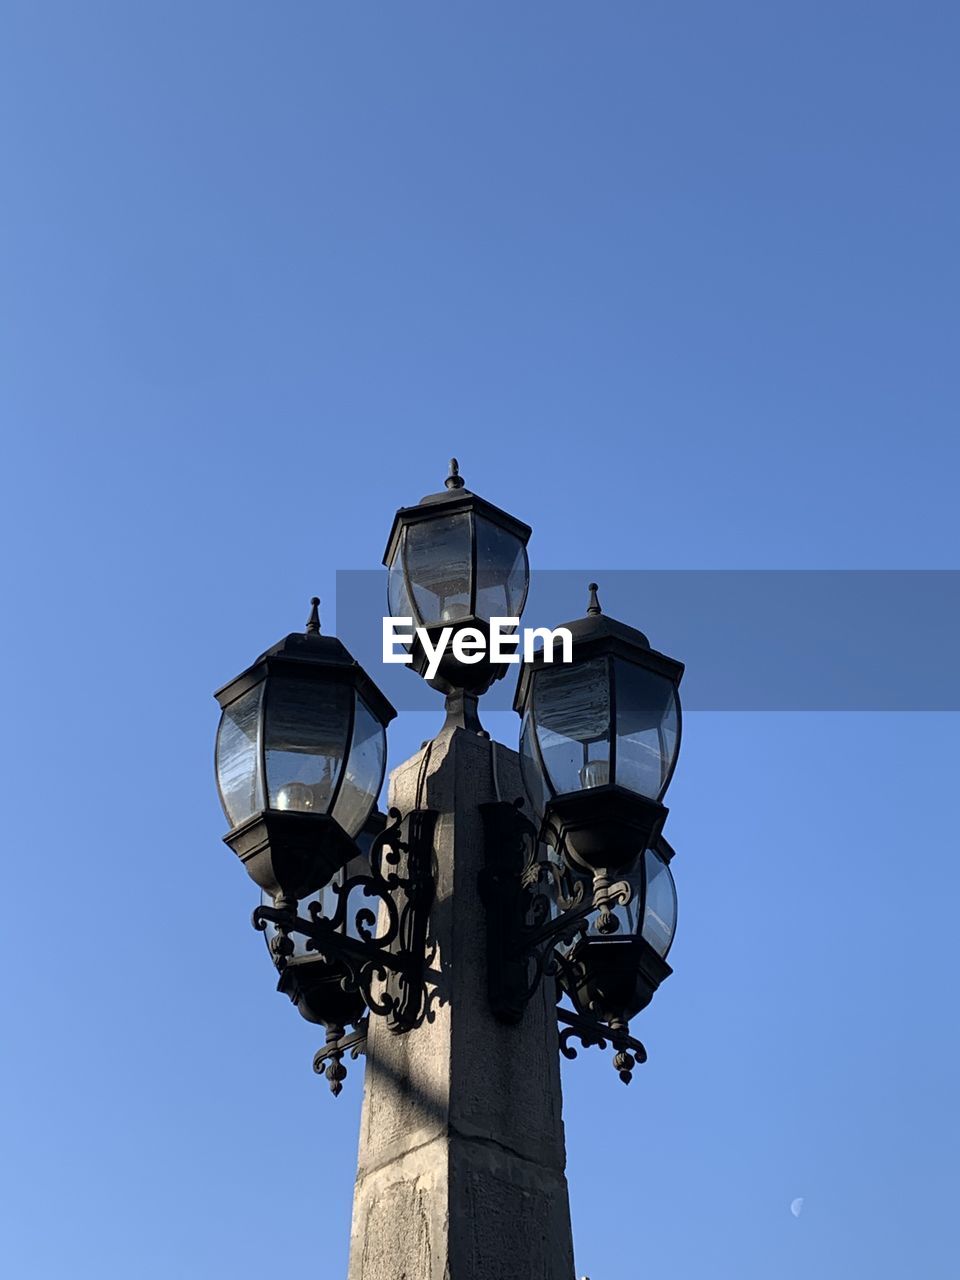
571, 708
660, 908
647, 726
502, 572
530, 772
238, 757
364, 770
438, 561
306, 726
398, 601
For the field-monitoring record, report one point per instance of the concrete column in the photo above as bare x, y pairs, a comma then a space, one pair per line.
461, 1167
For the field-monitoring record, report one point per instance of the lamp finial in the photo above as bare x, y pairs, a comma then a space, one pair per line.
454, 480
313, 622
593, 607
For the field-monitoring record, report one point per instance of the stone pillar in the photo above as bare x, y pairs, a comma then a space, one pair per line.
461, 1167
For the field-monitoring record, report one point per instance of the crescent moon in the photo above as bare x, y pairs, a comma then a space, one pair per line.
796, 1206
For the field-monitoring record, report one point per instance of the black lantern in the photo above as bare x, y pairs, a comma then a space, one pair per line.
599, 742
300, 757
457, 561
613, 970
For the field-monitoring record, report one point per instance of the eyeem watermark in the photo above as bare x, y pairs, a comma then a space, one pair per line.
470, 644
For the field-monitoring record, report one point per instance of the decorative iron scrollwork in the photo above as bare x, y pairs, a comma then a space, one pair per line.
520, 890
589, 1031
536, 911
386, 961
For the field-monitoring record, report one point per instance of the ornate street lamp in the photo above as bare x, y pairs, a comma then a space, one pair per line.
457, 561
300, 757
386, 924
613, 969
300, 762
599, 743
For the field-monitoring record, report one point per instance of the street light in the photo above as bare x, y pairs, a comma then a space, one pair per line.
300, 761
598, 746
599, 742
457, 561
300, 756
613, 969
382, 929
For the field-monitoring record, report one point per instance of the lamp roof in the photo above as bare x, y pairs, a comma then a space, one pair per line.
454, 498
308, 654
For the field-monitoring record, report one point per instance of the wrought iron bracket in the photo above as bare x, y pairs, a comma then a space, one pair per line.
525, 940
518, 890
387, 960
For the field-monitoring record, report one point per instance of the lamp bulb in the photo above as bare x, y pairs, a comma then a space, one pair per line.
595, 774
296, 795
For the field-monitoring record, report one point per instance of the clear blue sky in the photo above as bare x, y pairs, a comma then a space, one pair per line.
678, 284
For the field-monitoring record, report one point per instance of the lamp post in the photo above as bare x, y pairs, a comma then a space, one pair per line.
437, 940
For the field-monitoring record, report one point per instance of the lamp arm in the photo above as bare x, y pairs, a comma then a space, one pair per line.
323, 938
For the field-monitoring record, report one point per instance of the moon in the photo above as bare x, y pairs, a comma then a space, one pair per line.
796, 1206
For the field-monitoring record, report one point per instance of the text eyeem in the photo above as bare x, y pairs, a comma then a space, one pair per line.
470, 644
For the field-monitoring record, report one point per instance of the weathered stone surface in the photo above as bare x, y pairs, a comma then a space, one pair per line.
461, 1162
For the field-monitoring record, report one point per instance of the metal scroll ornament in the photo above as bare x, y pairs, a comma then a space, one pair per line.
535, 912
384, 959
